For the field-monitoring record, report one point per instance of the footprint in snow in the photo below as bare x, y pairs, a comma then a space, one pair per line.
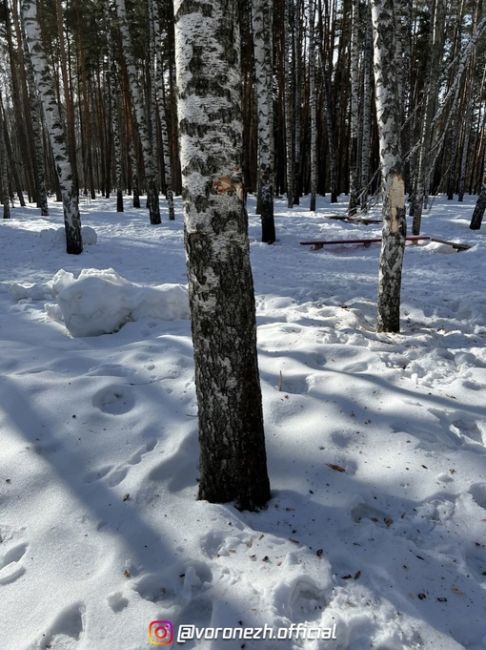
116, 474
113, 475
478, 493
154, 588
114, 400
108, 370
97, 474
211, 543
180, 470
300, 600
137, 456
467, 427
66, 629
364, 511
10, 569
117, 601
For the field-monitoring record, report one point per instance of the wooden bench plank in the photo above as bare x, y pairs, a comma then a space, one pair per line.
318, 244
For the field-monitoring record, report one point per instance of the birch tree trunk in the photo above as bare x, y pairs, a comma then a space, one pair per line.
312, 107
386, 73
140, 116
55, 127
262, 39
354, 111
233, 458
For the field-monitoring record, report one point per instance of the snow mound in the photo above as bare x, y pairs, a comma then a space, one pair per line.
100, 301
57, 236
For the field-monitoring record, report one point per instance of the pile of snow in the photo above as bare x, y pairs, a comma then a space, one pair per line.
100, 301
57, 236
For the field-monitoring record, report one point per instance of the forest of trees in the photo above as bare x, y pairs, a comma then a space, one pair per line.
107, 70
217, 99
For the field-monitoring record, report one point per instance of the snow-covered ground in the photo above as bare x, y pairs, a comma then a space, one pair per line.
376, 442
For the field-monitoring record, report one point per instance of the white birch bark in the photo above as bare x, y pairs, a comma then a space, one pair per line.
55, 127
149, 160
262, 39
384, 22
35, 112
233, 460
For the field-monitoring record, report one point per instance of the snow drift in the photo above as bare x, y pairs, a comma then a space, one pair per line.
100, 301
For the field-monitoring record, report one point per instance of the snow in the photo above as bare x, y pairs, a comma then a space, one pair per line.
376, 442
100, 301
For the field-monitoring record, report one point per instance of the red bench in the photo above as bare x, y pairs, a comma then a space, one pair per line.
317, 244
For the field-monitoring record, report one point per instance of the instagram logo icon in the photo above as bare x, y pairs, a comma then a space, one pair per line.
160, 633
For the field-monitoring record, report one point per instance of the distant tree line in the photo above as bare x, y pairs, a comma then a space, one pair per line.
307, 89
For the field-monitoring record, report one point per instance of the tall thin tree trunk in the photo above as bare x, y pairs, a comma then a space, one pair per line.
289, 100
354, 111
141, 116
367, 103
477, 217
233, 459
4, 194
262, 39
312, 107
431, 91
55, 127
386, 71
164, 120
68, 100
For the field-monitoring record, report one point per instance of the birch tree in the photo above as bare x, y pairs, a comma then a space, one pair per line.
386, 71
55, 127
262, 38
233, 459
142, 115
